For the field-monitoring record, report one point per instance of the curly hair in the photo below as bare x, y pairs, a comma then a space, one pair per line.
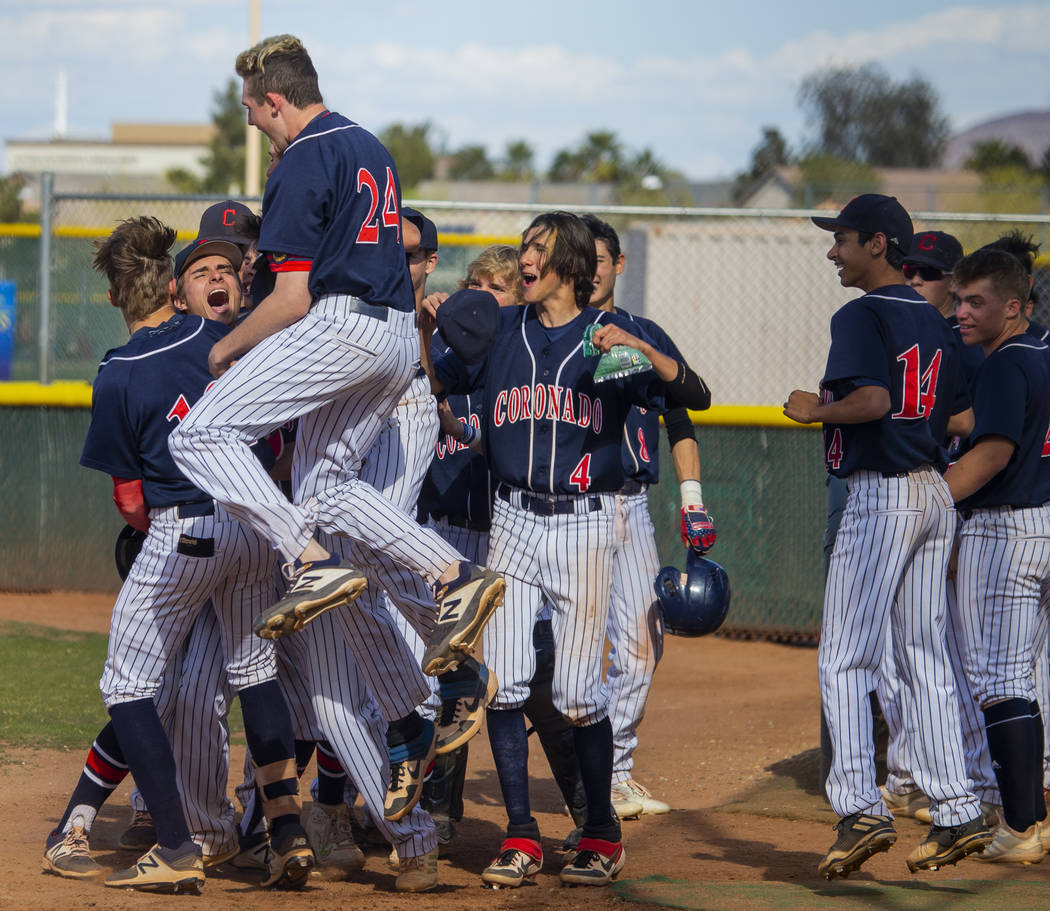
499, 262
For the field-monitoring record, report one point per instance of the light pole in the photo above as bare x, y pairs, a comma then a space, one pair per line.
251, 136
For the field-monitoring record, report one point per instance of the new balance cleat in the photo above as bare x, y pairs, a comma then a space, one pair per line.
290, 860
596, 863
519, 859
860, 836
173, 871
316, 588
254, 855
949, 844
68, 854
464, 606
463, 704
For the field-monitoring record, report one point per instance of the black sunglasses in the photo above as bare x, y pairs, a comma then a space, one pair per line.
926, 273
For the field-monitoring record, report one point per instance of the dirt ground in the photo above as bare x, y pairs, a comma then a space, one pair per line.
729, 741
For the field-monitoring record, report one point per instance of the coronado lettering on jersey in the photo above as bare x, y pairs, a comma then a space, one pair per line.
545, 402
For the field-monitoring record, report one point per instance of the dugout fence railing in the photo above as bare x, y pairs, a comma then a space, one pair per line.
746, 294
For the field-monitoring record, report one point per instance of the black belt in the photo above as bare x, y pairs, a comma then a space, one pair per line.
631, 488
544, 506
420, 372
380, 312
196, 510
462, 522
904, 474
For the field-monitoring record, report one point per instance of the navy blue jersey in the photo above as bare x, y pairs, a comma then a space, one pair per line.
334, 202
891, 337
457, 485
142, 390
1011, 399
641, 436
548, 426
1039, 332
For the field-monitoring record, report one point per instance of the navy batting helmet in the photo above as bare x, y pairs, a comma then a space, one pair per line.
693, 603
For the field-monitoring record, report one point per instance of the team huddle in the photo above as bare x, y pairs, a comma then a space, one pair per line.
455, 488
935, 406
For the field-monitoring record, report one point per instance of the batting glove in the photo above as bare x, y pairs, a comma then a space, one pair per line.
698, 531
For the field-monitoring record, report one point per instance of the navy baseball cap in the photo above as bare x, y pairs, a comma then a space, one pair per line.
428, 232
934, 248
207, 246
874, 213
220, 220
469, 322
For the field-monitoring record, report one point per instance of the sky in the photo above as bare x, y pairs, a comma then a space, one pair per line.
694, 80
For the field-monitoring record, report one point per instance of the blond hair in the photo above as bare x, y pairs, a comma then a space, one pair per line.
280, 64
499, 262
136, 263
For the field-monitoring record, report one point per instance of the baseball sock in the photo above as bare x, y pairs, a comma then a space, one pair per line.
510, 750
304, 752
151, 761
104, 769
594, 752
1011, 733
1040, 748
268, 730
331, 776
443, 789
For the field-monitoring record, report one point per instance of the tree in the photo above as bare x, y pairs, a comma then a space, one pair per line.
517, 161
769, 154
224, 162
994, 154
11, 198
827, 179
598, 159
860, 114
410, 146
470, 163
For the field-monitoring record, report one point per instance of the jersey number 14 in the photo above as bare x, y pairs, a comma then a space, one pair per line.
920, 388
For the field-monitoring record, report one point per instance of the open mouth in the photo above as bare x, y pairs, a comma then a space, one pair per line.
218, 299
528, 279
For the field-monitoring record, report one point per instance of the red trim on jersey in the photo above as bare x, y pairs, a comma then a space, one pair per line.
111, 774
131, 502
282, 262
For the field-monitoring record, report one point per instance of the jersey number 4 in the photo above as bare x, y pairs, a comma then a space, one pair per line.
920, 390
369, 232
581, 474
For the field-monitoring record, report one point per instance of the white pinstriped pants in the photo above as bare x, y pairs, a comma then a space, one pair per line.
567, 560
634, 630
165, 590
1004, 559
341, 373
887, 571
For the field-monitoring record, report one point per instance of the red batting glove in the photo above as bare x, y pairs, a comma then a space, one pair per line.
698, 531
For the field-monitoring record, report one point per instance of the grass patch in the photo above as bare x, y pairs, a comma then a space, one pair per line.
49, 696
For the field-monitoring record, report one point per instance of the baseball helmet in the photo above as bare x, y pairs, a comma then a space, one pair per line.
694, 602
129, 543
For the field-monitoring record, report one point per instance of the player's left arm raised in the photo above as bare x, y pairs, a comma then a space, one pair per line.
697, 528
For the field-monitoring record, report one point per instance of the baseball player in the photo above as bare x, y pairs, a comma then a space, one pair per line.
552, 436
193, 552
456, 501
335, 345
891, 373
634, 620
1001, 485
928, 269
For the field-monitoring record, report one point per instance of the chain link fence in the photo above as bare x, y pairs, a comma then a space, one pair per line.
746, 294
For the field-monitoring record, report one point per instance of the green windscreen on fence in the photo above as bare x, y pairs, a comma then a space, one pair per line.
764, 487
